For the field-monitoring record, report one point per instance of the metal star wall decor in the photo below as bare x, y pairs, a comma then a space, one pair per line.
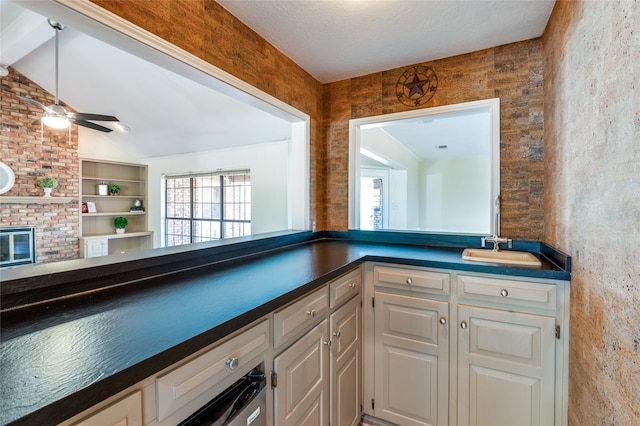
416, 86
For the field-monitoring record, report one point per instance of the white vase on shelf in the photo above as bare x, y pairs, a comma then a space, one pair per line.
47, 192
119, 230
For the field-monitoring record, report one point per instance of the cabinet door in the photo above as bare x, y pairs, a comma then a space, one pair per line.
94, 247
301, 396
505, 368
345, 364
126, 412
411, 360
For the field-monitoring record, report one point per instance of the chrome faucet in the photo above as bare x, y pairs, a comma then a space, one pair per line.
495, 238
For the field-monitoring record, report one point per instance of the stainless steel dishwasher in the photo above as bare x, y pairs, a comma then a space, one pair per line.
242, 403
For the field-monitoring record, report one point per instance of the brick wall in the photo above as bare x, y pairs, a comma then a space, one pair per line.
32, 155
512, 72
592, 198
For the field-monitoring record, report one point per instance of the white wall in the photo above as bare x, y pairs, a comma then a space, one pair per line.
97, 145
455, 195
405, 168
268, 162
269, 167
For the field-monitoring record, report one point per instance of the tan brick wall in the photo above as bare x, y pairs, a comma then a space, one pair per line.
592, 198
32, 155
512, 72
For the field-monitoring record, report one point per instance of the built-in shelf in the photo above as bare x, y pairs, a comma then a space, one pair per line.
115, 236
114, 214
98, 236
9, 199
112, 179
111, 196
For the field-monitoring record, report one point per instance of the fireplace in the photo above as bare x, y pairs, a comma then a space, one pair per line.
17, 246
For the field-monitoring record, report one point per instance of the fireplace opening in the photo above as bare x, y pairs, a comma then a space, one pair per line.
17, 246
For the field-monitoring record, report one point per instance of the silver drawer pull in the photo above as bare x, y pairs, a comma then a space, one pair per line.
337, 334
327, 343
232, 362
409, 281
352, 286
504, 292
463, 325
443, 320
311, 313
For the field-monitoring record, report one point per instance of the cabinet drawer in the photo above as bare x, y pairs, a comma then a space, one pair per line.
412, 279
185, 383
343, 288
126, 412
508, 292
299, 316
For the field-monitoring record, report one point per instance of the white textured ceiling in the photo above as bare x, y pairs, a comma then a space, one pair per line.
335, 40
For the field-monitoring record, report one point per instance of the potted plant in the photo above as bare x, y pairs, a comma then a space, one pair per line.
114, 189
120, 223
47, 184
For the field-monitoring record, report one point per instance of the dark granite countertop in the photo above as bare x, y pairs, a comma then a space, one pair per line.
70, 354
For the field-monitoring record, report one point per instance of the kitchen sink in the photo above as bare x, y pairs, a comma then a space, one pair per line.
521, 258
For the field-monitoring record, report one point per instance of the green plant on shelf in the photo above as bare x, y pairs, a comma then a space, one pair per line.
47, 182
114, 189
120, 222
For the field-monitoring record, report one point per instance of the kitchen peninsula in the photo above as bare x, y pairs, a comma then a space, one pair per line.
72, 339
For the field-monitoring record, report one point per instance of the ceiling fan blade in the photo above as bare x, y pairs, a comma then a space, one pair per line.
88, 116
91, 125
36, 104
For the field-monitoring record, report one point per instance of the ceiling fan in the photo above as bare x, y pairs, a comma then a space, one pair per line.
56, 115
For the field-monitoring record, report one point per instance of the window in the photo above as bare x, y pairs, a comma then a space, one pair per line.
206, 207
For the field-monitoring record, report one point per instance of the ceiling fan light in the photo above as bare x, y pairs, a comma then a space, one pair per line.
55, 121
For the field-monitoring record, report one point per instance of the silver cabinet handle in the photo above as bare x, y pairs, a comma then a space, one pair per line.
463, 325
232, 362
327, 343
352, 286
409, 281
443, 320
337, 334
504, 292
311, 313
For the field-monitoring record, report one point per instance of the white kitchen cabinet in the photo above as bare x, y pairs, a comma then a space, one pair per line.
506, 367
345, 287
346, 364
317, 379
406, 345
301, 392
299, 316
411, 359
448, 347
184, 389
125, 412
